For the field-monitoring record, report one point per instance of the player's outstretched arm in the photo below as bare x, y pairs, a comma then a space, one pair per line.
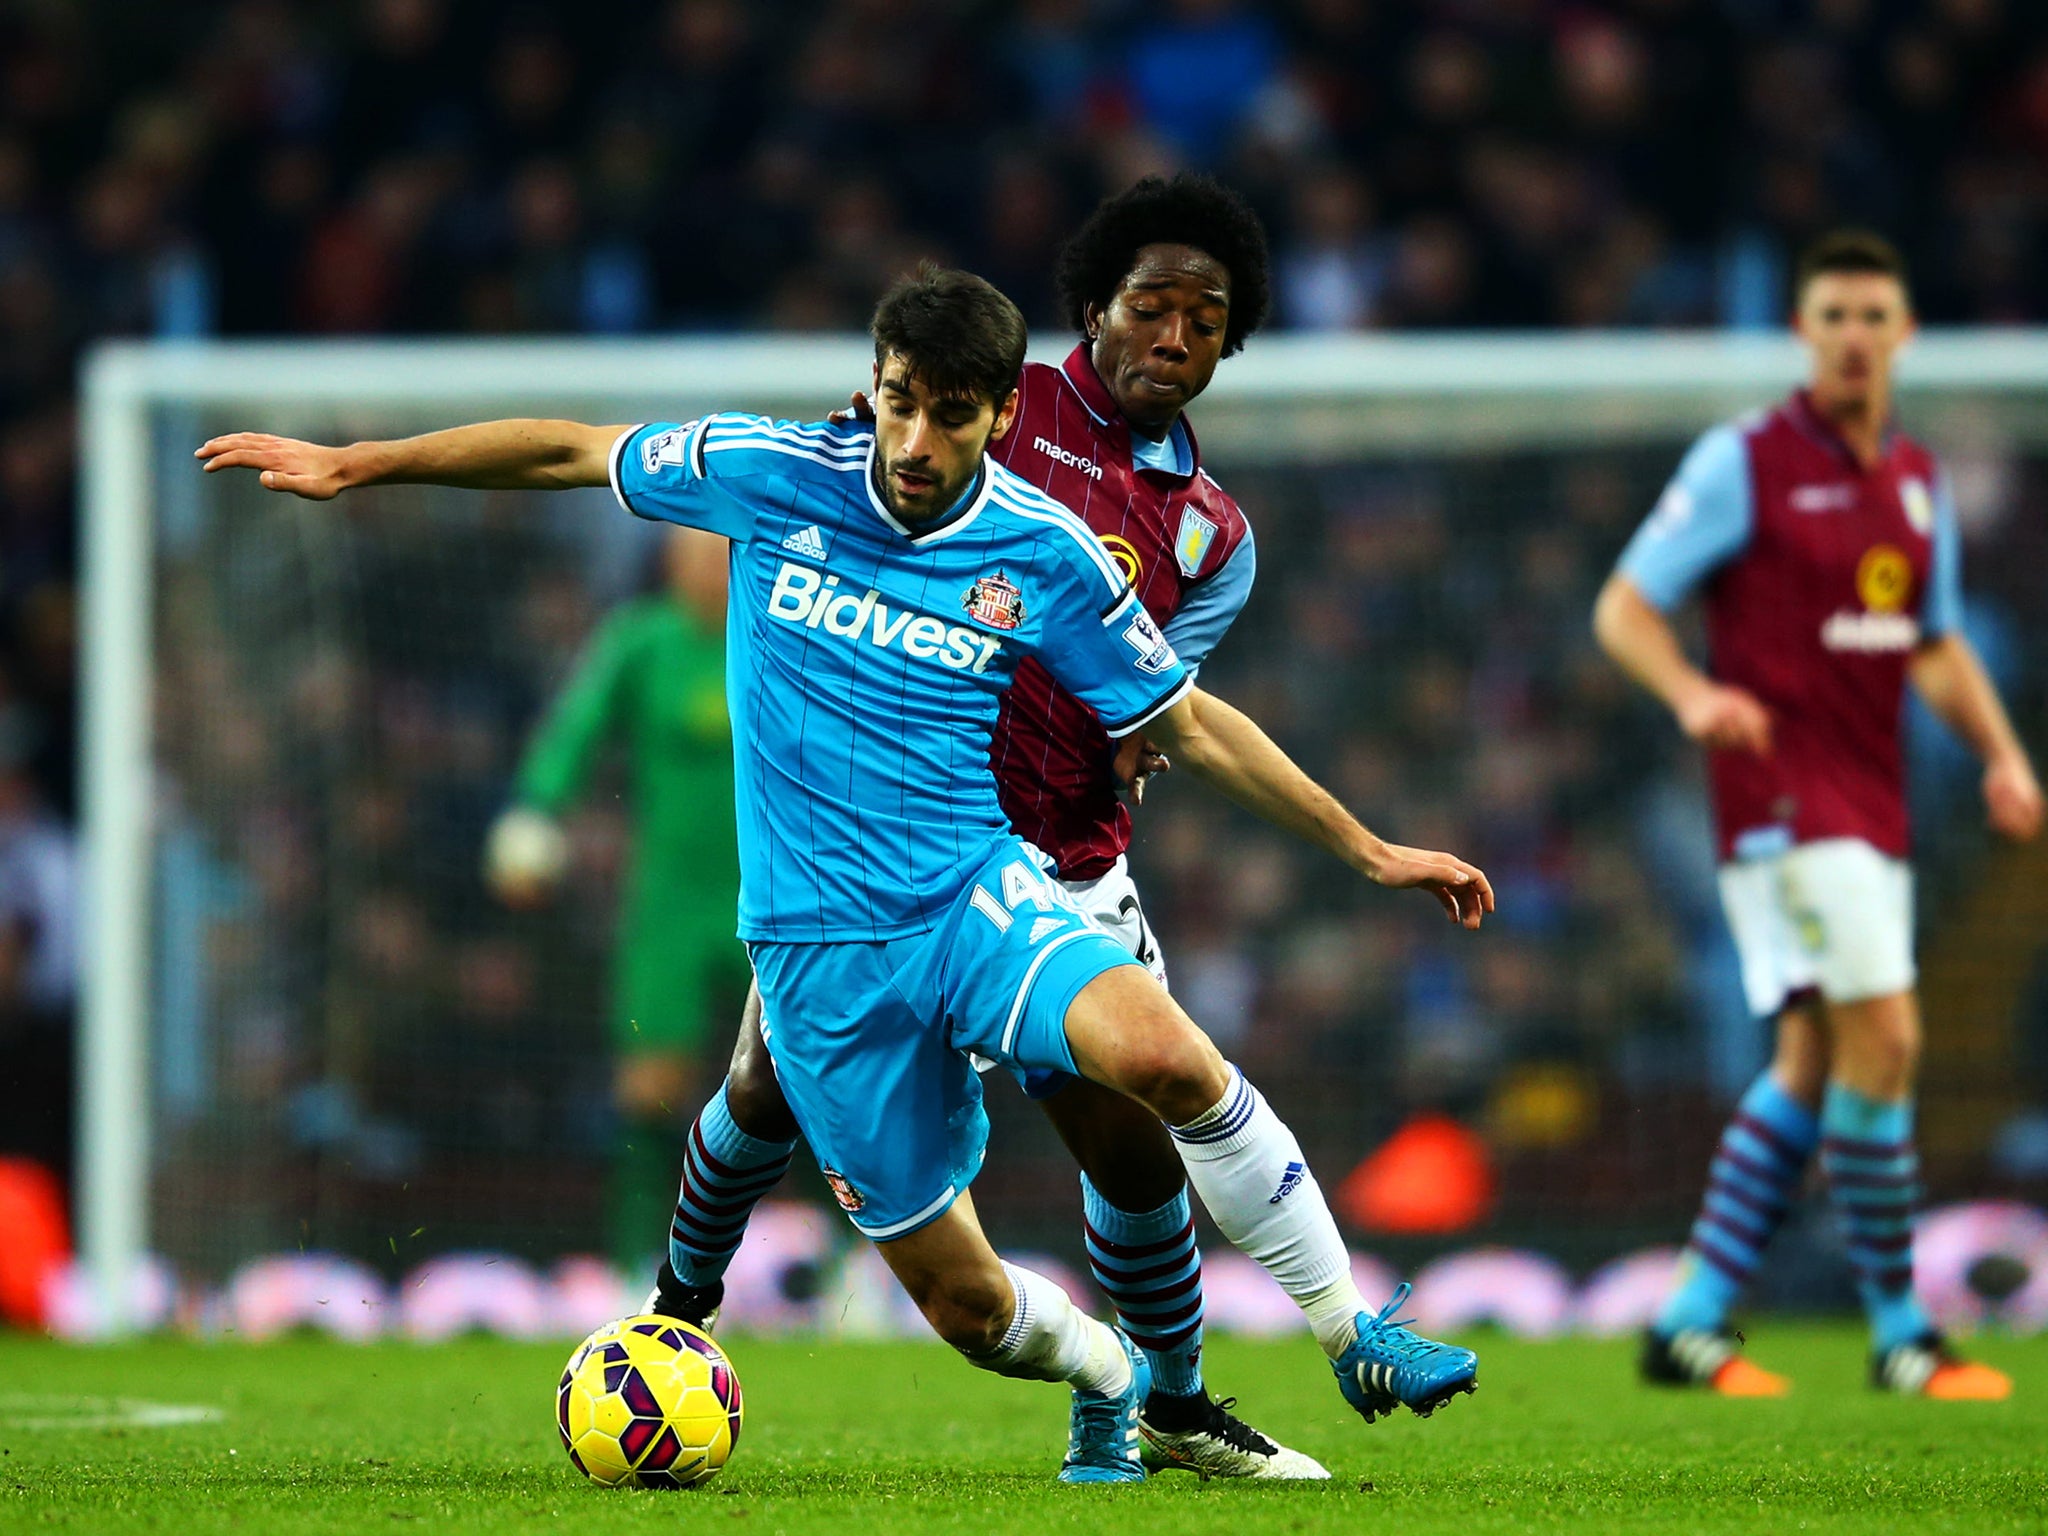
1641, 641
1947, 673
1226, 747
516, 455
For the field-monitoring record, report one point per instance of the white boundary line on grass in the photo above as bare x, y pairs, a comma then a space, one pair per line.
59, 1411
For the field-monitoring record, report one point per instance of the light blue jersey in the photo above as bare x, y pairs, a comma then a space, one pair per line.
865, 660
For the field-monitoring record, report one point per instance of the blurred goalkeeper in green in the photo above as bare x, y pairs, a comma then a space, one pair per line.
651, 682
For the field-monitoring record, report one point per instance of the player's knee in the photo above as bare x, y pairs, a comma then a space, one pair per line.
1174, 1070
1800, 1062
1893, 1050
1120, 1145
970, 1312
754, 1100
1880, 1048
753, 1097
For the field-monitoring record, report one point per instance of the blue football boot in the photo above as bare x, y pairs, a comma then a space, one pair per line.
1102, 1431
1388, 1366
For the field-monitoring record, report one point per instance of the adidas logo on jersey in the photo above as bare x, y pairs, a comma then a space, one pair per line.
804, 596
808, 542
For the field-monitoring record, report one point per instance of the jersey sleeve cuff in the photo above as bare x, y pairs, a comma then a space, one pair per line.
1152, 711
1118, 604
612, 463
1655, 593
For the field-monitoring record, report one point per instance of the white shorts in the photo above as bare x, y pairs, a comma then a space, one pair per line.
1110, 901
1836, 915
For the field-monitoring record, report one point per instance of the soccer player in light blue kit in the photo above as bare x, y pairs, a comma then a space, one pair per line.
887, 579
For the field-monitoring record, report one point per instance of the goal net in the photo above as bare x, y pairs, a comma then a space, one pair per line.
309, 1026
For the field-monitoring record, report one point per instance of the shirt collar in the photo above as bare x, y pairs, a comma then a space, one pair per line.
958, 516
1807, 417
1079, 372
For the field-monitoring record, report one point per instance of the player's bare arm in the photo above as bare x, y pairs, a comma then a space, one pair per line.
1226, 747
1643, 644
522, 454
1948, 675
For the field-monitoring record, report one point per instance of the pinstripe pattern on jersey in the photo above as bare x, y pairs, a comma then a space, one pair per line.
1050, 753
1027, 500
862, 686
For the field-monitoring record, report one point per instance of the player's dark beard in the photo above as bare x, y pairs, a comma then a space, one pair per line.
938, 501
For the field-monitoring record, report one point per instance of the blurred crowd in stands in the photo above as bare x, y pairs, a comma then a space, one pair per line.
258, 167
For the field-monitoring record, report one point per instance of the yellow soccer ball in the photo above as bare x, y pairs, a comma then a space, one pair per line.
649, 1401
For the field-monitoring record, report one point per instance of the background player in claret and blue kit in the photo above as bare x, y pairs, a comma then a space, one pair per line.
887, 582
1162, 282
1824, 544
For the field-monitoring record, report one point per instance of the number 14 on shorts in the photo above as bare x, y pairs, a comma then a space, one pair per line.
1022, 886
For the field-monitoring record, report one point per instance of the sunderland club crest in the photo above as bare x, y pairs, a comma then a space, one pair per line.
849, 1198
995, 601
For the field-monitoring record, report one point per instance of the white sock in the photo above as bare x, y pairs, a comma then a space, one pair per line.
1333, 1315
1249, 1171
1051, 1339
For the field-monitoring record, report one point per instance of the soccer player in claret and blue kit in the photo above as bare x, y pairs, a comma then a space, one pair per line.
1823, 543
1161, 283
888, 581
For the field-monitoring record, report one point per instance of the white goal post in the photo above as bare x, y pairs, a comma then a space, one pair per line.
1284, 396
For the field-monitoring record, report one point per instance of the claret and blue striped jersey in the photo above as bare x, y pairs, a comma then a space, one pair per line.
1822, 577
1188, 550
865, 660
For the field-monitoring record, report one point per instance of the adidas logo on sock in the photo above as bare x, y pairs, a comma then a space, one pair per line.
807, 541
1290, 1181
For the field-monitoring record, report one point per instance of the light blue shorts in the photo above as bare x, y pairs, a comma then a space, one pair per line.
870, 1040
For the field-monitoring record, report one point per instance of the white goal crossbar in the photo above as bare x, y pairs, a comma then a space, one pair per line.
1285, 395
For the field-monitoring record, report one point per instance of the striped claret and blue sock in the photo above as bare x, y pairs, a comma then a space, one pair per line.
1149, 1267
1873, 1171
1754, 1178
1873, 1174
725, 1174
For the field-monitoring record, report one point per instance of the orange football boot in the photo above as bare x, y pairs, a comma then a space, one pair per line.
1927, 1367
1702, 1357
1738, 1378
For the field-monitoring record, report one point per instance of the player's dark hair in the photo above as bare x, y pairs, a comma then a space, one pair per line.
1188, 210
1849, 250
958, 332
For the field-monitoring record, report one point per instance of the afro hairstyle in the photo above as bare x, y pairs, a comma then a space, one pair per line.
1191, 210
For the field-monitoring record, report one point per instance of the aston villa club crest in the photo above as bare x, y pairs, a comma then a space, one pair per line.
995, 601
849, 1198
1196, 534
1918, 505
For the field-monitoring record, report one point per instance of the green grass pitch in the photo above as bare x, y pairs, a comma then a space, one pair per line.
316, 1437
